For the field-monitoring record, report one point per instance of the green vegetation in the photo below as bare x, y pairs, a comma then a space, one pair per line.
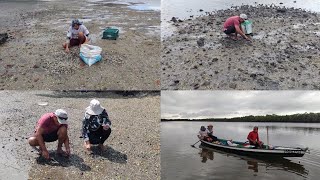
296, 118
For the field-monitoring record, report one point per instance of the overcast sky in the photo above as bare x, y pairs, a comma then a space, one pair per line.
221, 104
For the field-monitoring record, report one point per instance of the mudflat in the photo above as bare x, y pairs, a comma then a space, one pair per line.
284, 54
33, 58
132, 150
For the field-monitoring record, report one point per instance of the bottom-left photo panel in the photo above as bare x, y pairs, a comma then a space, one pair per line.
84, 135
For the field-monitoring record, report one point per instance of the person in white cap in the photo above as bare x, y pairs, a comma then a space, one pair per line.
77, 34
232, 27
51, 127
96, 126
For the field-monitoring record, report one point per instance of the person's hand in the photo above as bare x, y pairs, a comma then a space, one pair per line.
88, 146
105, 127
45, 154
248, 39
67, 50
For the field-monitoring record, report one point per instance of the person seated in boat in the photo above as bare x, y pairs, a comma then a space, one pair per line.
253, 138
51, 127
77, 34
210, 133
96, 125
203, 134
232, 27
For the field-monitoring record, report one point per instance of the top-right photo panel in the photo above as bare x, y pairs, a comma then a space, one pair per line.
240, 44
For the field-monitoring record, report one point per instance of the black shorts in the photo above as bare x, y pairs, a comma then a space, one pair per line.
230, 29
53, 136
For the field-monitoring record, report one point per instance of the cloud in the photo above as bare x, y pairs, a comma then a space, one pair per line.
226, 104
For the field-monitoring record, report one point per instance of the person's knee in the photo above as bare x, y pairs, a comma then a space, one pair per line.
32, 141
81, 34
62, 132
108, 131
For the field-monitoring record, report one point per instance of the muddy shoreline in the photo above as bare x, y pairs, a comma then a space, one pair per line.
132, 150
33, 58
284, 54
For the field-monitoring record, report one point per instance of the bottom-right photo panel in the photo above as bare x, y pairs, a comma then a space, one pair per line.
240, 134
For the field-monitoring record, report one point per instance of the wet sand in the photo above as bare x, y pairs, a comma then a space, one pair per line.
284, 54
132, 150
33, 57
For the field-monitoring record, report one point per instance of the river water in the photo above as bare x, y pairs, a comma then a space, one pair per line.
180, 161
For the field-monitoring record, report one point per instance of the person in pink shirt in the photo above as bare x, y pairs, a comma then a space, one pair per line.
232, 27
51, 127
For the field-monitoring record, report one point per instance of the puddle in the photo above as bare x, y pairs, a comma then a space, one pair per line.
144, 7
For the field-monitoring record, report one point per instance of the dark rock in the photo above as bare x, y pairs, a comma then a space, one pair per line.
253, 75
36, 66
176, 81
215, 59
174, 19
196, 86
200, 10
281, 10
200, 42
233, 86
3, 37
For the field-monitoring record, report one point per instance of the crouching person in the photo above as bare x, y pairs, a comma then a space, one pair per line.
96, 126
51, 127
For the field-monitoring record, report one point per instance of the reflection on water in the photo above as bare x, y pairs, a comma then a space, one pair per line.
180, 161
206, 154
254, 163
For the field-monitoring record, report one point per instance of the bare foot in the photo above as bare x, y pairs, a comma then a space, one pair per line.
60, 152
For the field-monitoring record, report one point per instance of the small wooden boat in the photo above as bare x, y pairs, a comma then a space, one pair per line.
241, 148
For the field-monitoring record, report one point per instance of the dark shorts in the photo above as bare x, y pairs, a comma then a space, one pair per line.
53, 136
77, 42
99, 136
230, 30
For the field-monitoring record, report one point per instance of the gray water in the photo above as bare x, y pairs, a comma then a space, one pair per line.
180, 161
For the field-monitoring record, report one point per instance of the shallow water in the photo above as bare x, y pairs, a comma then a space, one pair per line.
180, 161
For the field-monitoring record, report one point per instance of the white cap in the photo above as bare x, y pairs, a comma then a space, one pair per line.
95, 108
62, 116
243, 16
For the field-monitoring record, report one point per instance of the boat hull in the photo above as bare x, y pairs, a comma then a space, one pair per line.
255, 152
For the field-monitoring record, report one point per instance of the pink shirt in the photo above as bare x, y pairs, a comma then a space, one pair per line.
232, 21
47, 123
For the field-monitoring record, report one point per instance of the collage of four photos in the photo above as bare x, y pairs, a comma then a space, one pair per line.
159, 89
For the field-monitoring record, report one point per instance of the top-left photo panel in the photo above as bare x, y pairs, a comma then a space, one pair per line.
80, 45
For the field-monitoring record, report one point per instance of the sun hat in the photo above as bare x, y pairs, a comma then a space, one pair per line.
244, 16
95, 108
62, 116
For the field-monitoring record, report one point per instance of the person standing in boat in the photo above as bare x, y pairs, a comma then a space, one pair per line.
253, 138
96, 126
210, 133
232, 27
